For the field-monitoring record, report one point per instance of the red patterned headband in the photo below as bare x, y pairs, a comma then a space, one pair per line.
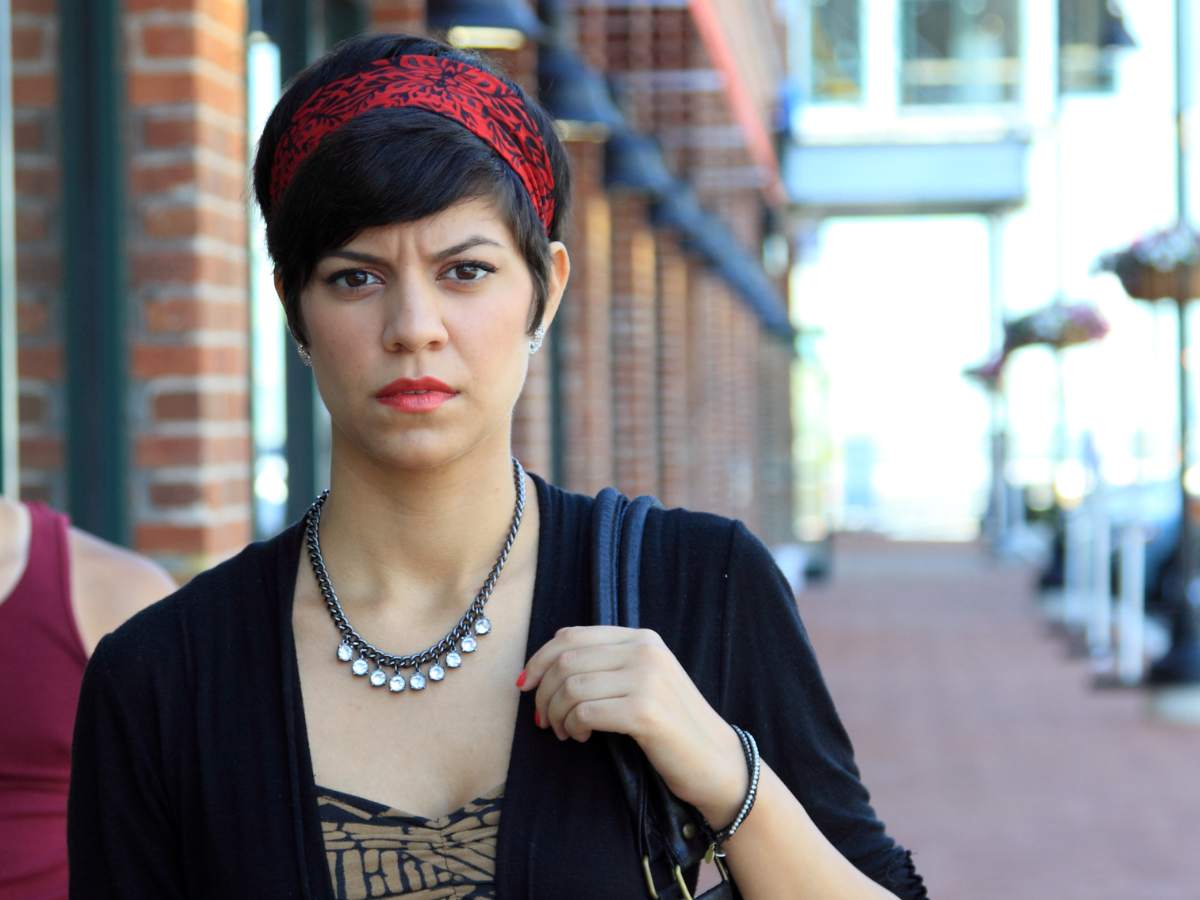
482, 103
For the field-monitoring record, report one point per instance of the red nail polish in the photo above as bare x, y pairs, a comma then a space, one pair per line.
537, 720
521, 678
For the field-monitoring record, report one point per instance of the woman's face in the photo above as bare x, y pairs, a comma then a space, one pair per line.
418, 334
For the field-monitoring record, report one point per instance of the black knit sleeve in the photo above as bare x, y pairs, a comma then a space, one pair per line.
772, 687
122, 842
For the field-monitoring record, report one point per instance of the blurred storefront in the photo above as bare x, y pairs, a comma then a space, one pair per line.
159, 400
956, 164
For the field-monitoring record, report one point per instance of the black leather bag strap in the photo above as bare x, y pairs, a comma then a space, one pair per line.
665, 826
608, 515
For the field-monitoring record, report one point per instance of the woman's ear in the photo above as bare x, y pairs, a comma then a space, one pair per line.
279, 286
560, 272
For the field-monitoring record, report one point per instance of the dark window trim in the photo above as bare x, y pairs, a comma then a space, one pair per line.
92, 92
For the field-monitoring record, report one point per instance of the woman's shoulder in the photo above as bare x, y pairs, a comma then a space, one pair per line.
235, 597
674, 529
700, 536
677, 538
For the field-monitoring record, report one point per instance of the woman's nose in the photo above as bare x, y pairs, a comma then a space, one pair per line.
413, 318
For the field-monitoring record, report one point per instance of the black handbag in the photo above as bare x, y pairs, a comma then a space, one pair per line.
670, 834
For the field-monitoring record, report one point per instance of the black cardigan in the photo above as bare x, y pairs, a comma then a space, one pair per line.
191, 774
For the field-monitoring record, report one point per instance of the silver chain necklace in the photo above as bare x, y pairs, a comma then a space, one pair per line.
461, 639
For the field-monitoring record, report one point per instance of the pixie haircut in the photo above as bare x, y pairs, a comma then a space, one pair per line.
395, 165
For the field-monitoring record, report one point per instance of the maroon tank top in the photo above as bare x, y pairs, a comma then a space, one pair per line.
41, 667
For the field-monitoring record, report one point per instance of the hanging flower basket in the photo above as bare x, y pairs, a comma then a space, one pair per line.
1143, 282
1161, 264
1058, 325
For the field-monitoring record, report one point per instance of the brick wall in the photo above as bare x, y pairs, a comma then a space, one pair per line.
634, 347
704, 431
584, 329
187, 244
673, 438
666, 382
740, 410
35, 133
407, 16
774, 484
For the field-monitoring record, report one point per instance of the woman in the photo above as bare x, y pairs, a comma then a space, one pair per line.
61, 591
225, 747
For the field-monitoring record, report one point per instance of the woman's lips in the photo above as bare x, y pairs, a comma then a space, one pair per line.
416, 394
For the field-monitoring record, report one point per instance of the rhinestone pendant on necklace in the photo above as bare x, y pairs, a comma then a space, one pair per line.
462, 639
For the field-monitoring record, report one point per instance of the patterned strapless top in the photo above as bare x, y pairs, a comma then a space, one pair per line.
376, 851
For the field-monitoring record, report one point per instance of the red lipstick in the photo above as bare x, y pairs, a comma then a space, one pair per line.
416, 394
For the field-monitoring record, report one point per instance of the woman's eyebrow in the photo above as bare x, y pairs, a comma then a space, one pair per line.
355, 256
474, 240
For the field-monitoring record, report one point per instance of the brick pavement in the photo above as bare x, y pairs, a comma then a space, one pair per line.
984, 747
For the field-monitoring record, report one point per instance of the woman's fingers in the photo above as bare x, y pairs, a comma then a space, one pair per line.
570, 640
588, 701
576, 661
606, 714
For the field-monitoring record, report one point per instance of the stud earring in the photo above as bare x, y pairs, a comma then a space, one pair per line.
538, 336
304, 357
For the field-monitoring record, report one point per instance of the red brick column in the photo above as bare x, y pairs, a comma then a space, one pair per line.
39, 289
721, 414
584, 328
635, 345
187, 241
531, 416
743, 414
672, 372
774, 485
704, 431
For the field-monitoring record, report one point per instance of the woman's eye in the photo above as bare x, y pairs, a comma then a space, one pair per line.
354, 278
470, 271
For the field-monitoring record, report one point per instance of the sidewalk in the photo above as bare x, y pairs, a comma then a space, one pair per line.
985, 749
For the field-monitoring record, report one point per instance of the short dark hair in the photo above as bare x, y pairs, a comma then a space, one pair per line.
395, 165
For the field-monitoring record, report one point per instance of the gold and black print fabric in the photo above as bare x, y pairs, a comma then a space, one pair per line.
376, 851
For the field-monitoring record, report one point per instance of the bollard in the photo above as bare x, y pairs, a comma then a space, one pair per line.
1131, 610
1076, 569
1100, 613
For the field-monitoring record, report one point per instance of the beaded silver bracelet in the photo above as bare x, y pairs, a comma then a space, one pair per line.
753, 765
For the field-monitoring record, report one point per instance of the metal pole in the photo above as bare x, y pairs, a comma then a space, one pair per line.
1182, 663
1076, 568
1099, 623
10, 472
997, 519
1182, 293
1131, 652
1186, 527
1181, 102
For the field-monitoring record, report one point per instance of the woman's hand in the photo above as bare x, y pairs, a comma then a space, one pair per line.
602, 678
599, 678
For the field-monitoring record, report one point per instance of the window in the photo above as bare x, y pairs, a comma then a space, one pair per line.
836, 51
1089, 34
960, 51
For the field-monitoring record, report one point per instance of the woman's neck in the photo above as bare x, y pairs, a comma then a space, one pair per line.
421, 540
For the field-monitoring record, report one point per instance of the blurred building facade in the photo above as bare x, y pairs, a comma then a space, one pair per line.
982, 153
667, 371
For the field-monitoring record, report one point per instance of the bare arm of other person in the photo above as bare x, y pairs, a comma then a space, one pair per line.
109, 584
